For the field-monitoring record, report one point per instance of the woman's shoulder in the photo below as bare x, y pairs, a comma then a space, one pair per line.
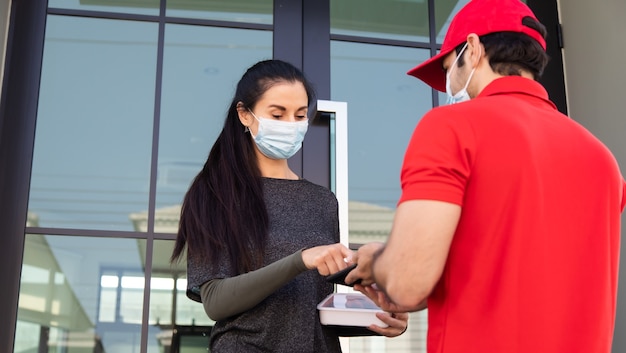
301, 186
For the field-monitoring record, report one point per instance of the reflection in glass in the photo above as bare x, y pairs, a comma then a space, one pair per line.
443, 97
143, 7
445, 10
400, 20
175, 320
249, 11
73, 290
26, 336
384, 105
201, 68
93, 141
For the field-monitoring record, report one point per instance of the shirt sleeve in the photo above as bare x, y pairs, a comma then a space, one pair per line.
226, 297
438, 159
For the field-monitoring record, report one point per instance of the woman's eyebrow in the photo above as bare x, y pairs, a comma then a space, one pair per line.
283, 108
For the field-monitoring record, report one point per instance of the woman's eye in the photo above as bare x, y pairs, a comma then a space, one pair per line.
301, 116
276, 116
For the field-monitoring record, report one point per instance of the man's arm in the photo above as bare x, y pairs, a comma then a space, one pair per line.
409, 265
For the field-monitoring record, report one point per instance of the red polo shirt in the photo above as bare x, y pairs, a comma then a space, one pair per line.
534, 261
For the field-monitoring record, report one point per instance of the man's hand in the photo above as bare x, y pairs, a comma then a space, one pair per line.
364, 259
409, 265
382, 300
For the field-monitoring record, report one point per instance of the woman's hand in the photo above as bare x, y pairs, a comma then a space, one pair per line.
327, 259
398, 323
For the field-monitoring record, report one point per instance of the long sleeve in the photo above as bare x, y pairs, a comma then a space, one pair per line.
226, 297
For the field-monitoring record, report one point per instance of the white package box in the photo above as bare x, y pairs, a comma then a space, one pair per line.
349, 309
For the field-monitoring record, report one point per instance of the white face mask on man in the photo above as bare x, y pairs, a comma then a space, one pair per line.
462, 94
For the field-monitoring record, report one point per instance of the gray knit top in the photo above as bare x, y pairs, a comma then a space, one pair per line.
301, 215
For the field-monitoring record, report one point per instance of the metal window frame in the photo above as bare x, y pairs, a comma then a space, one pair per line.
18, 114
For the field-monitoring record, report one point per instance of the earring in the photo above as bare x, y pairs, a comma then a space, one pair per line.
245, 129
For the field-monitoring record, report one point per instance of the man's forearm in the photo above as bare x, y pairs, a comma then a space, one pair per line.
385, 275
378, 271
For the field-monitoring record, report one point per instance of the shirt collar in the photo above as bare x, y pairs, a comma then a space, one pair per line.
516, 85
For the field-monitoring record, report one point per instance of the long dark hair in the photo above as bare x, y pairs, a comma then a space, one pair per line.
224, 208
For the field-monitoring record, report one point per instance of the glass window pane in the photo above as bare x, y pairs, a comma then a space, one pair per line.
201, 68
68, 282
143, 7
384, 104
26, 337
394, 19
248, 11
445, 10
443, 97
194, 343
172, 314
93, 142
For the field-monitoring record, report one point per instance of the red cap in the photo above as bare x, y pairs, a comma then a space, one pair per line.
480, 17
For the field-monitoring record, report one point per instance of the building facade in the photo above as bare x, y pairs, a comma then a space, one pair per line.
109, 109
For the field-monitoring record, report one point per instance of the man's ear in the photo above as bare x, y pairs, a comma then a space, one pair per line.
475, 49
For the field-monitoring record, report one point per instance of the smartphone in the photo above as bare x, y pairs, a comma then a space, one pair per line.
339, 277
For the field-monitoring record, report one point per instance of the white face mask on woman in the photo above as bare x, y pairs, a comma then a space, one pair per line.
461, 95
279, 139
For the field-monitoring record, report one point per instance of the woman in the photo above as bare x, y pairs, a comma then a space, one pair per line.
253, 228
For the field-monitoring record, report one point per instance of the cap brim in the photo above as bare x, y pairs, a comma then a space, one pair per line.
431, 71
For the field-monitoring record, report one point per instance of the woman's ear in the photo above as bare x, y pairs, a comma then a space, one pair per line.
244, 114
